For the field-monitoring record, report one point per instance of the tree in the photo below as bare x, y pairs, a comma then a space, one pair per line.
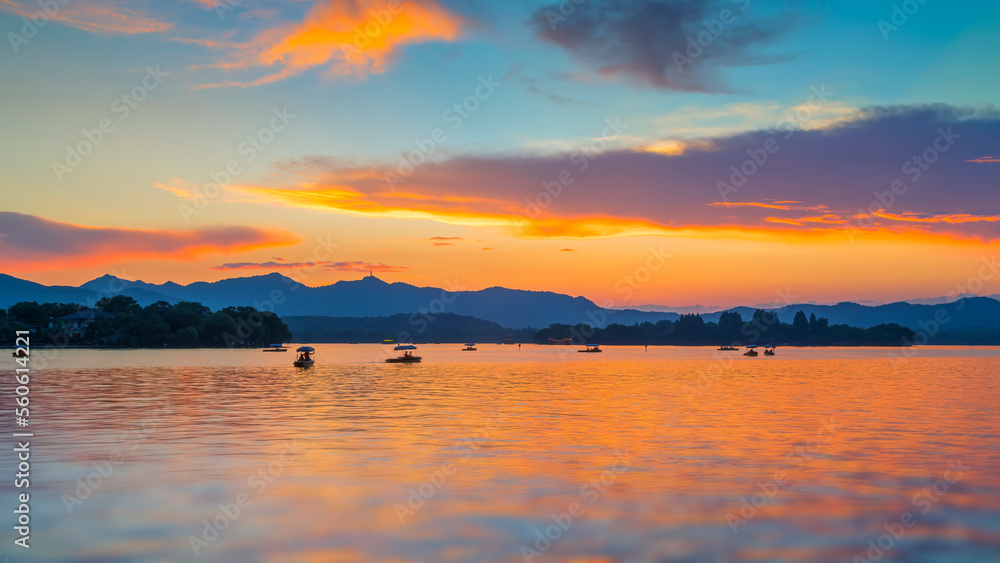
184, 314
6, 333
155, 331
689, 328
119, 304
214, 328
186, 337
800, 327
821, 332
766, 324
104, 330
28, 312
56, 310
275, 329
131, 329
730, 324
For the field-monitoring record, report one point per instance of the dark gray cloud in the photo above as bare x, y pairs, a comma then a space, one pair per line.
37, 243
669, 44
810, 179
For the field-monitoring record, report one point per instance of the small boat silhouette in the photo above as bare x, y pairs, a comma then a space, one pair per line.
305, 357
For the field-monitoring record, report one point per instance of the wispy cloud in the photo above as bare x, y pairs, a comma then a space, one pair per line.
107, 17
951, 218
748, 204
443, 241
327, 265
691, 127
781, 205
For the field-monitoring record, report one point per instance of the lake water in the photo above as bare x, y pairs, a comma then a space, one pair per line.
537, 454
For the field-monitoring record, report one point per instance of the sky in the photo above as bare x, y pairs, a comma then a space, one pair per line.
713, 152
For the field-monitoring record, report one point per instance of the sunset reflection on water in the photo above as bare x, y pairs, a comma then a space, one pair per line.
512, 455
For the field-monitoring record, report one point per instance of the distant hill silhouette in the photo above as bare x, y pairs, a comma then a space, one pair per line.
977, 312
446, 328
367, 297
512, 308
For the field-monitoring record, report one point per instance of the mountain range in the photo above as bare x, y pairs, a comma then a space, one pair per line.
512, 308
367, 297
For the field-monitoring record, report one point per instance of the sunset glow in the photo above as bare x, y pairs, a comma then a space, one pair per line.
434, 140
520, 280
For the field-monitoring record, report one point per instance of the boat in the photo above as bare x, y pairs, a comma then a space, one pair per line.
275, 348
406, 358
560, 341
469, 347
729, 348
591, 349
509, 339
751, 350
305, 357
769, 350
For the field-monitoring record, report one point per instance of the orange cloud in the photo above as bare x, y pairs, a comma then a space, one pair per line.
371, 199
748, 204
186, 191
180, 188
346, 37
953, 218
985, 160
104, 18
781, 220
676, 147
782, 205
505, 215
466, 211
628, 192
37, 244
829, 218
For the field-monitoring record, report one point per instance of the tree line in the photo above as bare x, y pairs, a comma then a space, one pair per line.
443, 327
763, 328
121, 321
